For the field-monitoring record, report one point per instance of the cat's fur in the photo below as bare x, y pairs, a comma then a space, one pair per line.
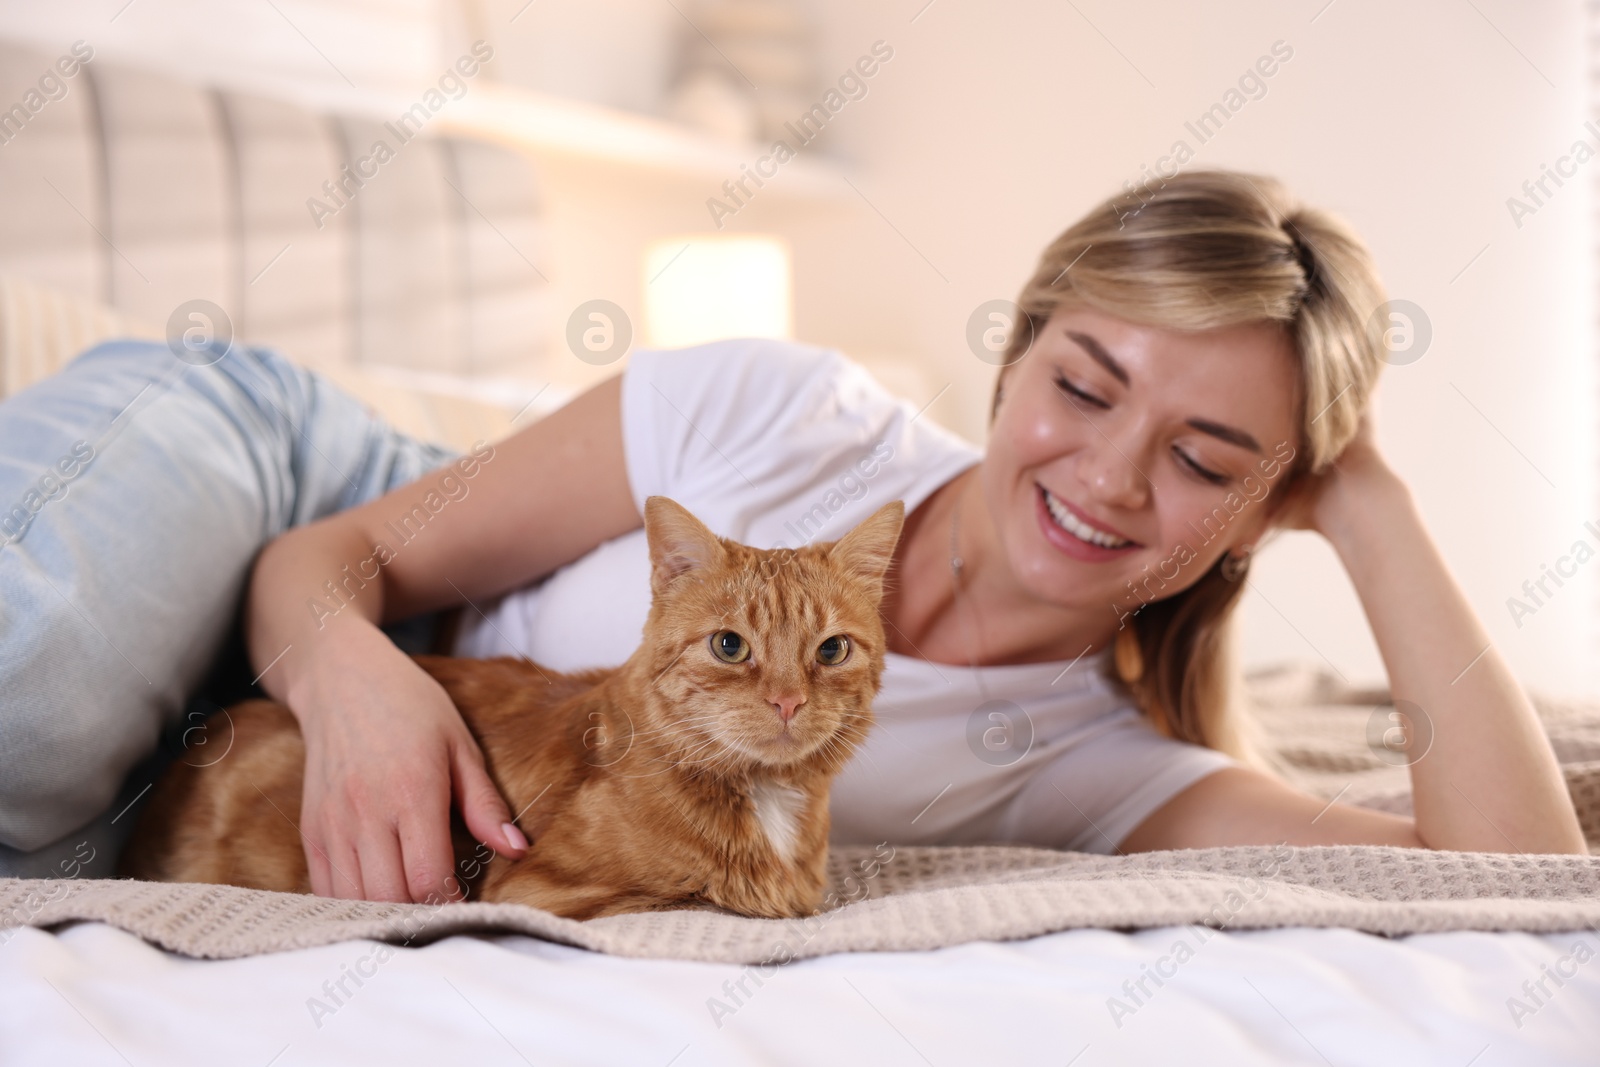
670, 781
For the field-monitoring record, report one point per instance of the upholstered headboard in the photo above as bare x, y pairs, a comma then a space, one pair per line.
141, 192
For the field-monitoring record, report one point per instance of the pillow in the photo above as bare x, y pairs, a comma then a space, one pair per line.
41, 329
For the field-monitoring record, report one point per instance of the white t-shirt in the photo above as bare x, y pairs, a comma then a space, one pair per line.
773, 444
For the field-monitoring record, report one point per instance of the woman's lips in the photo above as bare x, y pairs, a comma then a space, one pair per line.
1084, 517
1069, 543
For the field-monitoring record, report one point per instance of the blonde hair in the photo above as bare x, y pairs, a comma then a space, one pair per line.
1207, 249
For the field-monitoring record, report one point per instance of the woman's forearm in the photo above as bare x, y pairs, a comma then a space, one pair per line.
386, 752
1488, 779
308, 601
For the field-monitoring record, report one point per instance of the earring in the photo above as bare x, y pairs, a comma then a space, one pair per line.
1126, 655
1236, 565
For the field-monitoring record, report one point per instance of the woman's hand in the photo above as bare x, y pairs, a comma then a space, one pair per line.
1325, 502
1483, 775
386, 753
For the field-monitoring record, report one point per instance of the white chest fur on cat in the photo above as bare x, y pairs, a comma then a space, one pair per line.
777, 809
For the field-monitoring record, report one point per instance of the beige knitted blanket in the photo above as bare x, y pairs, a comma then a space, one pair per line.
921, 898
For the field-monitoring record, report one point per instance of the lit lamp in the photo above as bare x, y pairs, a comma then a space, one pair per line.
707, 287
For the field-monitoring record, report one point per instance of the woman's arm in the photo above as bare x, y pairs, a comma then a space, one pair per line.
386, 751
1488, 780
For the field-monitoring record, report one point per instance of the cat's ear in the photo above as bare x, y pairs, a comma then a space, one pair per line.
679, 542
867, 551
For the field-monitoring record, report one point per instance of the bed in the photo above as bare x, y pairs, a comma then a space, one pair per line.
934, 955
957, 956
93, 994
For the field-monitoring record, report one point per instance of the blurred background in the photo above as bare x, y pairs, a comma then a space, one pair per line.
564, 182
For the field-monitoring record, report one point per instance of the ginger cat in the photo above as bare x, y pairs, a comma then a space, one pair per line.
696, 772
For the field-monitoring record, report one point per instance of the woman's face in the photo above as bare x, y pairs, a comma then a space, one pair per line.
1160, 445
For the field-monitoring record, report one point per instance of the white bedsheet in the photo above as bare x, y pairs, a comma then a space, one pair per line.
93, 995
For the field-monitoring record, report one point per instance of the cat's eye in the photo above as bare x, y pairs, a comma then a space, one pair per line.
729, 647
834, 651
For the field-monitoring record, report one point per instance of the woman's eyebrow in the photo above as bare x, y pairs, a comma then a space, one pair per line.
1098, 353
1226, 433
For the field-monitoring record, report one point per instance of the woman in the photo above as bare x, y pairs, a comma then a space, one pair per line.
1188, 377
1213, 341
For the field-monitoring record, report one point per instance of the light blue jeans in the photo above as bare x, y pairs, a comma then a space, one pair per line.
135, 490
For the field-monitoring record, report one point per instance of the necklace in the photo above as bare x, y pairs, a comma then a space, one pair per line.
957, 564
962, 608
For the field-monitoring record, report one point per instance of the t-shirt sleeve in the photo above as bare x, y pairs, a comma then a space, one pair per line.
729, 418
1095, 794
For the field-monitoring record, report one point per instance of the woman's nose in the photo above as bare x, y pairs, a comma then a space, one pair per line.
1114, 476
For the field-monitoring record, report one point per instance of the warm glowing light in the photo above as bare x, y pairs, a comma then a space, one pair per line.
707, 287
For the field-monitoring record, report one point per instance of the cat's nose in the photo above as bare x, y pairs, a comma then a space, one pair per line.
787, 706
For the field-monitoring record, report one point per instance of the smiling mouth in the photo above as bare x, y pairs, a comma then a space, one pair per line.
1069, 522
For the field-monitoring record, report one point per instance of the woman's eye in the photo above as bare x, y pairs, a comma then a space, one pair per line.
834, 651
1072, 390
729, 647
1211, 476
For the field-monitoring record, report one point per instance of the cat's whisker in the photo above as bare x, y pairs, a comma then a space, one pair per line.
680, 722
670, 732
671, 757
685, 756
670, 765
685, 729
720, 754
678, 727
694, 717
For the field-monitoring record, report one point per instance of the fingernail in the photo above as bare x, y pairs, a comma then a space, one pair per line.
514, 836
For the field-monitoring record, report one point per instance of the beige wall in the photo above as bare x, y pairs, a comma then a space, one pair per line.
996, 124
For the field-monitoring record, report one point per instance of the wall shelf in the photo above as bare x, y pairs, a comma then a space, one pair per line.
544, 123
